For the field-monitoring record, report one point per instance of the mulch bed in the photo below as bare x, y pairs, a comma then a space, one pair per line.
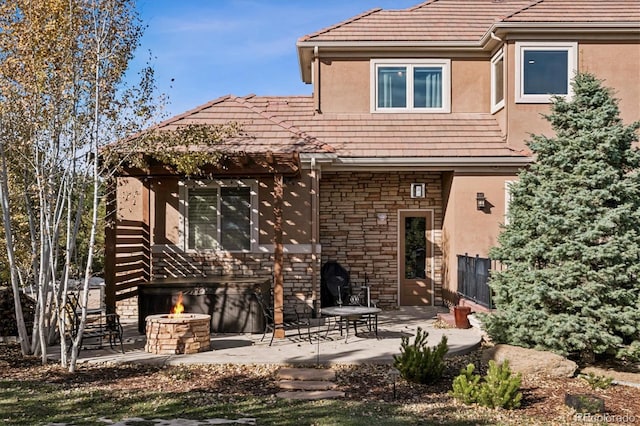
543, 398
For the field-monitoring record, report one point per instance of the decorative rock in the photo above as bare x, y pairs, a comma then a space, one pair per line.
531, 361
584, 403
8, 325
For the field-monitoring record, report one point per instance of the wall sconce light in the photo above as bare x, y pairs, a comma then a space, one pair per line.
381, 218
417, 190
481, 201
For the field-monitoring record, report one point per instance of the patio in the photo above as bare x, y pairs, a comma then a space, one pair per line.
293, 350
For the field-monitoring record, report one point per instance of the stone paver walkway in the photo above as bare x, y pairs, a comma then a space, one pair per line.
307, 384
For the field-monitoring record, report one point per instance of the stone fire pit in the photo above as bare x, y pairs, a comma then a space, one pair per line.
179, 334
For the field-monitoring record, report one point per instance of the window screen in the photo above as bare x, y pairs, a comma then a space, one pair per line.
203, 216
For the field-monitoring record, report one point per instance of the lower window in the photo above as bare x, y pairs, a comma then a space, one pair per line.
219, 216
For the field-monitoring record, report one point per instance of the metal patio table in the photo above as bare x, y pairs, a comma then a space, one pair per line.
352, 313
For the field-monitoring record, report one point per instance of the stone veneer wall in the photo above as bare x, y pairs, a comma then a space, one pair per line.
128, 308
169, 262
350, 234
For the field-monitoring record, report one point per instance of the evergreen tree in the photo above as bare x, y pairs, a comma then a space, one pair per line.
572, 243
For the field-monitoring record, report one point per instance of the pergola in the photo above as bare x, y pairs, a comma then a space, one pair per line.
276, 165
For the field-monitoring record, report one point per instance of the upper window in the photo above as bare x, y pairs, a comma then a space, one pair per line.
418, 85
497, 81
219, 215
544, 70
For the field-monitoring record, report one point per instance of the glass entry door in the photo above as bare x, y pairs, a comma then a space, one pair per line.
415, 258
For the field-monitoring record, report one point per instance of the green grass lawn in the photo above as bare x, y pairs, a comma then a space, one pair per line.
36, 403
98, 394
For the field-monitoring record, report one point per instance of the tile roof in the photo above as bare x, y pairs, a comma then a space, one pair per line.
261, 130
469, 20
581, 11
289, 124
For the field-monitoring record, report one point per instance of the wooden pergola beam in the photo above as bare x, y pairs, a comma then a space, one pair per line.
267, 164
110, 247
278, 257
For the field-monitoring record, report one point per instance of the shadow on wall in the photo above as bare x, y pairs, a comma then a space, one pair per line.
132, 257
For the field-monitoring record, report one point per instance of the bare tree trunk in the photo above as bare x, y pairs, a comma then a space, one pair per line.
70, 108
94, 216
6, 219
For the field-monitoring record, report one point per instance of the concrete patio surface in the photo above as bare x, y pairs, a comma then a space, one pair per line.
293, 350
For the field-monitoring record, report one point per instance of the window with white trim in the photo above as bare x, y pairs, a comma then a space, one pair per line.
416, 85
497, 81
219, 215
544, 69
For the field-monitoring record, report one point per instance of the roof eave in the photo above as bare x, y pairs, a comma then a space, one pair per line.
614, 29
338, 163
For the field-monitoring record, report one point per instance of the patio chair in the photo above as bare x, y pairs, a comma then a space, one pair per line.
98, 325
361, 296
292, 320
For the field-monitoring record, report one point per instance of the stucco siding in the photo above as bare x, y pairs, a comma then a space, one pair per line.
345, 85
618, 64
467, 229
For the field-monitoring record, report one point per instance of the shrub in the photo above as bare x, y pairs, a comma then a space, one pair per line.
499, 388
597, 382
631, 353
570, 248
466, 385
419, 363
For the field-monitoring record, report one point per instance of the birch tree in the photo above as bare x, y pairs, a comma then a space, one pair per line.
62, 97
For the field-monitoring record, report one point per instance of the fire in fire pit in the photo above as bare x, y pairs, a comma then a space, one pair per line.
178, 308
177, 332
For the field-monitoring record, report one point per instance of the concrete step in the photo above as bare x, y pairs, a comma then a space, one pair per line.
306, 385
314, 374
310, 395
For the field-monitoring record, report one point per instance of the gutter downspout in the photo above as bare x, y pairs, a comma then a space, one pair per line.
316, 60
315, 290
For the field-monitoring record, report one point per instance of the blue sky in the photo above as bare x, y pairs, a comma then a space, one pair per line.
203, 49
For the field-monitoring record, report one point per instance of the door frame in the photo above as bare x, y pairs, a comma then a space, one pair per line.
430, 213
